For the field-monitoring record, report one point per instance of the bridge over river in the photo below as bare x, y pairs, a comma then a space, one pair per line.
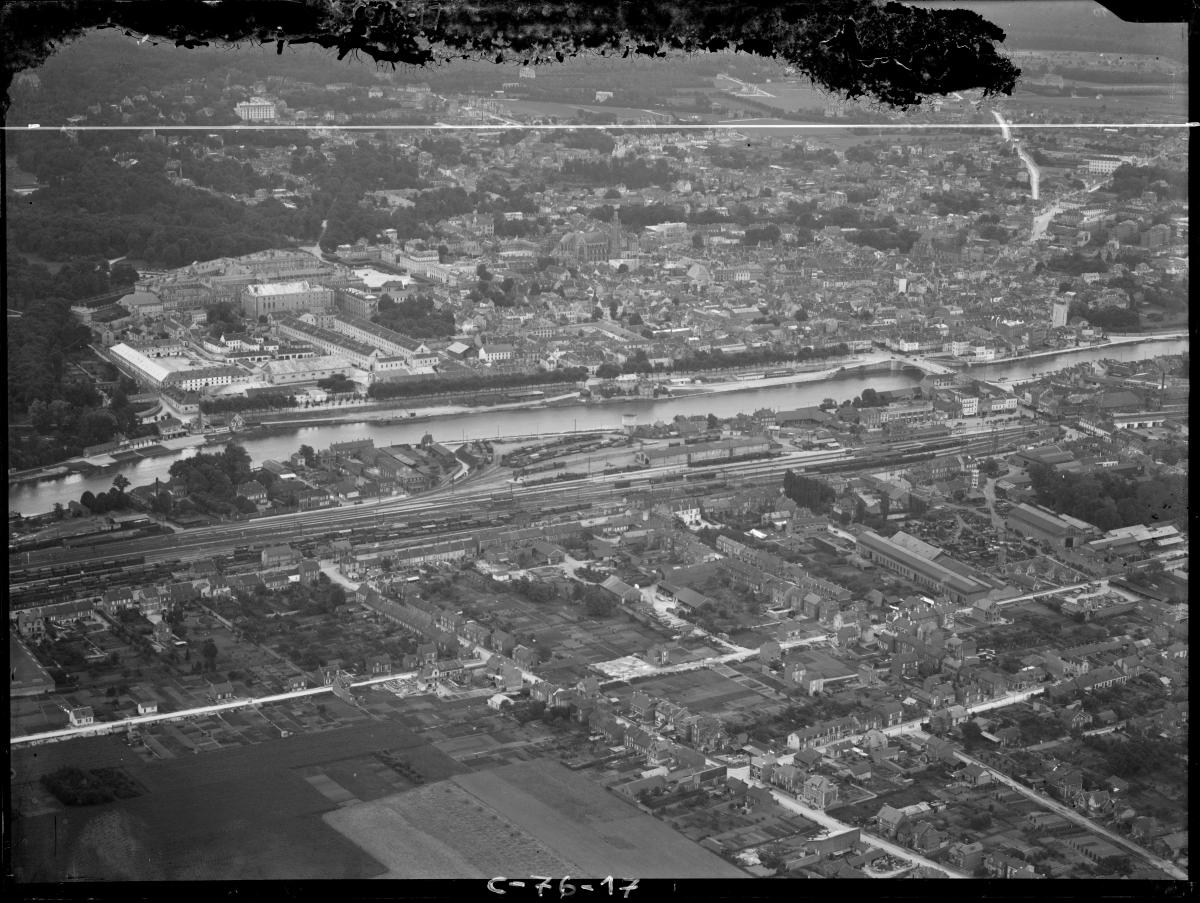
892, 363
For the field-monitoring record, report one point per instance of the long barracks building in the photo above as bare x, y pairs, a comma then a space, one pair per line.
927, 566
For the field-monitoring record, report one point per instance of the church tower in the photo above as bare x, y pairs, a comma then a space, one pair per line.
616, 241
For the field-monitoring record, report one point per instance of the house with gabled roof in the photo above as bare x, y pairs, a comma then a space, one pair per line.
642, 706
819, 791
890, 819
622, 590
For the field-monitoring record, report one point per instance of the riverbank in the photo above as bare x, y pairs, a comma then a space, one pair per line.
1110, 342
373, 413
100, 463
396, 415
566, 415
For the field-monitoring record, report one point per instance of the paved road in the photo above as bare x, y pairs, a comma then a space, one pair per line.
832, 824
109, 727
914, 726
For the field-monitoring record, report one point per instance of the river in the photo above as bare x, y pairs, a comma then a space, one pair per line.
34, 498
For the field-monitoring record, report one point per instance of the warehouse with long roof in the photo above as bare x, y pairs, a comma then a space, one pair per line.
926, 565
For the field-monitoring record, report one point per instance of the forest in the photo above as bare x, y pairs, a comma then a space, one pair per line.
63, 407
101, 203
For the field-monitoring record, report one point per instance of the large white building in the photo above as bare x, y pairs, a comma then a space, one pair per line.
173, 372
1059, 311
256, 110
285, 297
360, 354
419, 263
310, 370
1106, 165
388, 341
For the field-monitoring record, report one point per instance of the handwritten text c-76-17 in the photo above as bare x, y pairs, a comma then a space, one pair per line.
564, 886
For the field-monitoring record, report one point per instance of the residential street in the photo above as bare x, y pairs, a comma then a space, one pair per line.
1080, 819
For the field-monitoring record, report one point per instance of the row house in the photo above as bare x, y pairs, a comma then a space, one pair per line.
824, 733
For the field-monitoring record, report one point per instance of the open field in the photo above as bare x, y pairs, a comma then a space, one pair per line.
441, 831
243, 813
581, 822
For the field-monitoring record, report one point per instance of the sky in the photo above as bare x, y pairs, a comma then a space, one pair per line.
1072, 25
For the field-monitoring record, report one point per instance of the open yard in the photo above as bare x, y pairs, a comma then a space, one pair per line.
709, 691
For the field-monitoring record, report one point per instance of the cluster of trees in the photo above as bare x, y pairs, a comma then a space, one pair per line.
502, 293
236, 404
717, 359
337, 384
869, 399
886, 238
435, 385
211, 480
113, 500
342, 182
1111, 500
323, 597
808, 492
515, 228
632, 172
639, 217
956, 202
73, 786
223, 318
597, 140
1110, 319
533, 590
1171, 293
224, 174
638, 362
1130, 181
806, 158
1138, 757
767, 235
1076, 264
862, 153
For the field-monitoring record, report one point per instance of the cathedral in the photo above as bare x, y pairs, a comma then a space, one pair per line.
592, 247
